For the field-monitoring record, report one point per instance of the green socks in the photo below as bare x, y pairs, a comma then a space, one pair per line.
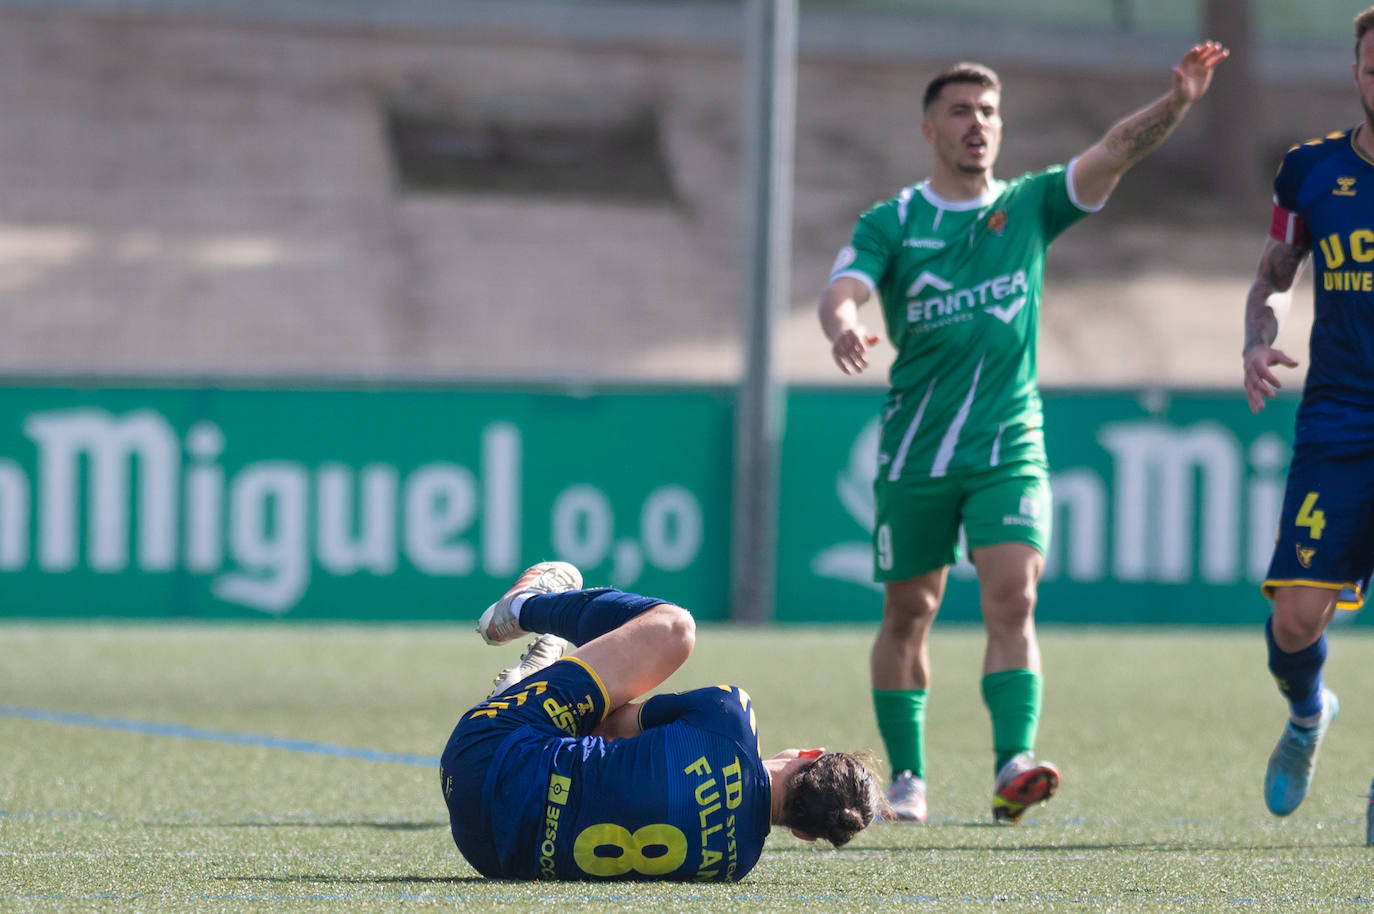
902, 723
1013, 700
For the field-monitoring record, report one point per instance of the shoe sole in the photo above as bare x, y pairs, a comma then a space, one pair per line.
1035, 785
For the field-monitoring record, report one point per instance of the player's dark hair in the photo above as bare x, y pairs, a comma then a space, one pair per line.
835, 797
1363, 23
963, 72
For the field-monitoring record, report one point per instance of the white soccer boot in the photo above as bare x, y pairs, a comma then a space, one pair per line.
906, 799
498, 624
541, 652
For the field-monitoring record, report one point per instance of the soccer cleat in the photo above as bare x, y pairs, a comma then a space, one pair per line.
1021, 784
541, 652
1293, 760
906, 799
499, 625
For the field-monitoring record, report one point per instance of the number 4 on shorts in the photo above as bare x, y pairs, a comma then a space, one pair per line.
1314, 521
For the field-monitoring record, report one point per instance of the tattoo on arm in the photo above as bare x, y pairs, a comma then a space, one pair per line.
1139, 134
1279, 265
1261, 323
1278, 269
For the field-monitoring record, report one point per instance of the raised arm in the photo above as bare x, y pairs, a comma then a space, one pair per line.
1102, 164
1267, 303
839, 314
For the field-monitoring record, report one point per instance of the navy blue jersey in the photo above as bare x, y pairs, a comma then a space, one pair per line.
687, 799
1324, 195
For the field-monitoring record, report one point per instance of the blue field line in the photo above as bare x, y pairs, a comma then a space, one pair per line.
216, 736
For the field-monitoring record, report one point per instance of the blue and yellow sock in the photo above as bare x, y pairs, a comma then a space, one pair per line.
1299, 674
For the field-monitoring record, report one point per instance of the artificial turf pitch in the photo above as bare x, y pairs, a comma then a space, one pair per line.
278, 767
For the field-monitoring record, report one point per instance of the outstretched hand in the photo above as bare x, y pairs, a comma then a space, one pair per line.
850, 349
1261, 384
1193, 75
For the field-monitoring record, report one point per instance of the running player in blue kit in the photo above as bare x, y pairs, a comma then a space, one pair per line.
1323, 206
559, 775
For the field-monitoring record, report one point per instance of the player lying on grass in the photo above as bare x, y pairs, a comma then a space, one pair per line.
560, 776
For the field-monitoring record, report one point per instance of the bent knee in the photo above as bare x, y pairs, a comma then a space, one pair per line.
1302, 613
679, 627
1295, 629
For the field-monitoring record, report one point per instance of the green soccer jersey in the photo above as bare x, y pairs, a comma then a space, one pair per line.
959, 283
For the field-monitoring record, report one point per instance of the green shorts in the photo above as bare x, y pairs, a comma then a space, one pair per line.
918, 520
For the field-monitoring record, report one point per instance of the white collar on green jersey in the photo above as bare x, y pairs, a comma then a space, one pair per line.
934, 199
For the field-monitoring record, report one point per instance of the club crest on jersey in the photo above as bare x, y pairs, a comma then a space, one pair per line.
1305, 554
997, 221
1346, 189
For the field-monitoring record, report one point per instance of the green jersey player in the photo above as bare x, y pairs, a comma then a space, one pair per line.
956, 263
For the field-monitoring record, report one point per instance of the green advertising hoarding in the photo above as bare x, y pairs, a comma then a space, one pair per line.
1165, 508
356, 504
423, 502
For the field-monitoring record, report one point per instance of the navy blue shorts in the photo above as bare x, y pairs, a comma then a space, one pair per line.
1326, 530
530, 720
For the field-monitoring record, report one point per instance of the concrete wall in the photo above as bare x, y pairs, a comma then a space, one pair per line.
215, 195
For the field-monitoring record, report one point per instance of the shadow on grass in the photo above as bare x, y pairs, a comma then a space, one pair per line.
380, 824
334, 879
1163, 847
